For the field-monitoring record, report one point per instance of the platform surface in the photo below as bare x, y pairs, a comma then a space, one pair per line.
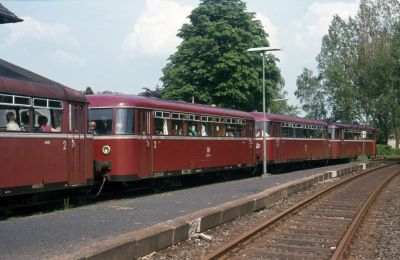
47, 235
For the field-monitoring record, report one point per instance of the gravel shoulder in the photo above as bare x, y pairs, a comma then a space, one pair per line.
379, 235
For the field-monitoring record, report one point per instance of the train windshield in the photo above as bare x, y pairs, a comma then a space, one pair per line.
259, 128
100, 121
124, 122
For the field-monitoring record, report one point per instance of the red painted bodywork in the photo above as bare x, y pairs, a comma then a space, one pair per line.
144, 155
281, 150
351, 148
37, 162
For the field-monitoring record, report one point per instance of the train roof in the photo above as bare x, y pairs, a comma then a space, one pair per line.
284, 118
19, 81
114, 100
340, 125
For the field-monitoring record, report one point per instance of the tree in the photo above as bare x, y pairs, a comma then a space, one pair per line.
358, 68
310, 93
88, 91
147, 92
212, 65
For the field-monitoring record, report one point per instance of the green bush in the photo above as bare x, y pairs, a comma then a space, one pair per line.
384, 150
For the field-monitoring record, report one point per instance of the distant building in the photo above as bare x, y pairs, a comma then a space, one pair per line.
6, 16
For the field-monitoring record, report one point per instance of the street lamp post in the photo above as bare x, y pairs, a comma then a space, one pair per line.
263, 51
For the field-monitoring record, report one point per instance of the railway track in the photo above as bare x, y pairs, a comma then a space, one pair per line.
319, 227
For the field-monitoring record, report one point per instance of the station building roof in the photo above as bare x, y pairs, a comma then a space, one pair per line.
20, 81
6, 16
115, 100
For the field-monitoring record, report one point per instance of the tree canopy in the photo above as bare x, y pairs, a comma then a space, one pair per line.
212, 65
359, 69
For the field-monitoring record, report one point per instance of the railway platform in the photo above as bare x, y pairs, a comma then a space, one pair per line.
69, 232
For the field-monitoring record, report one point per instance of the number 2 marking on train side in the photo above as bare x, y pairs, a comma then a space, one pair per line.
64, 145
155, 144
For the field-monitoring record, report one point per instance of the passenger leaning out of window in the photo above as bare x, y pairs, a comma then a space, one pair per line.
11, 125
43, 127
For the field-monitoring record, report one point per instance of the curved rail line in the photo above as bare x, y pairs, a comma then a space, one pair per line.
246, 239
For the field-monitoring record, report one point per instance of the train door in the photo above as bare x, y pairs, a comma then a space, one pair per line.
76, 144
278, 145
145, 144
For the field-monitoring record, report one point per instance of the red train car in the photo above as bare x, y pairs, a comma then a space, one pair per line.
42, 134
137, 137
350, 141
291, 139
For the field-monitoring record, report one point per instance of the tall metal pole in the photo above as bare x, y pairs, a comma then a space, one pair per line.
264, 122
263, 51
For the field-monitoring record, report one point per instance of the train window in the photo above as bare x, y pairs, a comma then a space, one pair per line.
204, 129
38, 102
124, 123
259, 128
287, 132
55, 104
103, 117
177, 127
192, 129
160, 126
161, 114
370, 135
6, 99
23, 101
15, 100
47, 120
175, 116
220, 130
8, 119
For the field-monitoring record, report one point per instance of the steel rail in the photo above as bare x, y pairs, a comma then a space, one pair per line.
221, 252
344, 242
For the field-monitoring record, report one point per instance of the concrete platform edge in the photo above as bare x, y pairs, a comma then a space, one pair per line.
142, 242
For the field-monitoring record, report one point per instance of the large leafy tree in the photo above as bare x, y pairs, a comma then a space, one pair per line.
311, 95
212, 65
359, 67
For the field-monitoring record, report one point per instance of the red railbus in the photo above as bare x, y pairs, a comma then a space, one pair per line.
137, 137
291, 139
350, 141
43, 134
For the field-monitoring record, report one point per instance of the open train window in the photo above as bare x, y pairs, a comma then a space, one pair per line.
47, 120
14, 118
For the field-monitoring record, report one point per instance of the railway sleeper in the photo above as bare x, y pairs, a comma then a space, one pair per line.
262, 254
284, 248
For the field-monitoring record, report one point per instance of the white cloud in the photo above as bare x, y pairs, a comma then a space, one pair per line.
65, 57
155, 31
31, 30
315, 23
270, 28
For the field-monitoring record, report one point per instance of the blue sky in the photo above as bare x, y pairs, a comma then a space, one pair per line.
123, 45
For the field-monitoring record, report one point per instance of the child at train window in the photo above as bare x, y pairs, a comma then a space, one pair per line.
11, 125
43, 126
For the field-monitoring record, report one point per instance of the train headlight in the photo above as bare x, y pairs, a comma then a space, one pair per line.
106, 149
